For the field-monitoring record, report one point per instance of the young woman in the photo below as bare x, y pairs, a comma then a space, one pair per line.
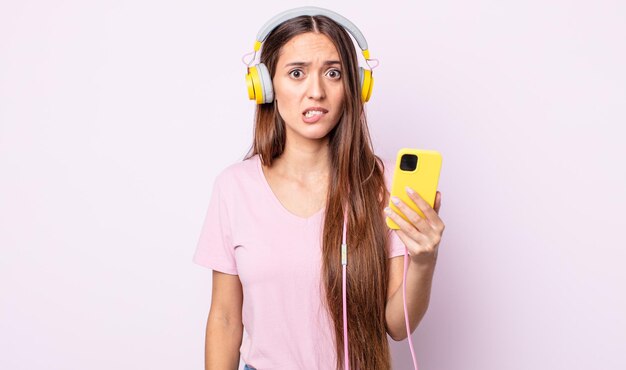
273, 230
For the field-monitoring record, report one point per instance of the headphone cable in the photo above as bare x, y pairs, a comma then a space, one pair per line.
406, 316
344, 263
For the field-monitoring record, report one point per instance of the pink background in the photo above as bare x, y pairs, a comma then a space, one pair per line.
116, 116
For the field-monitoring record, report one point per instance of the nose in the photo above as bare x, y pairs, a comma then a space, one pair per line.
315, 87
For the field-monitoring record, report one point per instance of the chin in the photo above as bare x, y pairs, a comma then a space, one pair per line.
318, 135
308, 134
316, 132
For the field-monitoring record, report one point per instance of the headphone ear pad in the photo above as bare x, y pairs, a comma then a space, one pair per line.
367, 84
266, 84
259, 84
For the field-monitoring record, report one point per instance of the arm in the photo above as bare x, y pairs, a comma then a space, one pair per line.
224, 329
421, 236
418, 286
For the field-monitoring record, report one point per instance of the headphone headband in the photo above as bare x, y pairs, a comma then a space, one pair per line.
311, 11
258, 78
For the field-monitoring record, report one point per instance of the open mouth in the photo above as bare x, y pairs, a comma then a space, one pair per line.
313, 114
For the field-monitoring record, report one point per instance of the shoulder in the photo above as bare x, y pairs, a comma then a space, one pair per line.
238, 173
387, 170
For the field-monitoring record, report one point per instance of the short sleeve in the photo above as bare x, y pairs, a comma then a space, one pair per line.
215, 248
395, 245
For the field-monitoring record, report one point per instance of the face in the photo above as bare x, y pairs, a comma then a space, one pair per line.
308, 86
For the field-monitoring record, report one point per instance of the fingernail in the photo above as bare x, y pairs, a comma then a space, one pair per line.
395, 200
409, 190
388, 210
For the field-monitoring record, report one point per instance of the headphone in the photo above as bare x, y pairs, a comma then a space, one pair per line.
258, 77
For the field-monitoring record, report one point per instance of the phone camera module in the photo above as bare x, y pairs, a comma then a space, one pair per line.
408, 162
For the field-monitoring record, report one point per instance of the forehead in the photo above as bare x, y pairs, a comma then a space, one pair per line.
308, 46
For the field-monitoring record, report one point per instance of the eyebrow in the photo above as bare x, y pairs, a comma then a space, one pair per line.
304, 64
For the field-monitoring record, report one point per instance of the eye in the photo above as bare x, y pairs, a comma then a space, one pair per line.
295, 73
334, 73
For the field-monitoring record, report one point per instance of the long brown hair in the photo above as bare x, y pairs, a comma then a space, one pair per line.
356, 180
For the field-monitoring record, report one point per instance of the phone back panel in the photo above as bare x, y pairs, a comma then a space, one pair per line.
424, 180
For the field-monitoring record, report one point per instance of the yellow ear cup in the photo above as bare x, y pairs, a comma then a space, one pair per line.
255, 88
367, 85
250, 85
259, 79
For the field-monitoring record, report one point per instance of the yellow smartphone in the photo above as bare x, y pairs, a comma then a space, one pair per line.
419, 169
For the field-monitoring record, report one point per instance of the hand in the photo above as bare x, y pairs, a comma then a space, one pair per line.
421, 235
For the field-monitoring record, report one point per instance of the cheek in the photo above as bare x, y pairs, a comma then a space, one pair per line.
338, 94
340, 101
284, 90
285, 101
285, 108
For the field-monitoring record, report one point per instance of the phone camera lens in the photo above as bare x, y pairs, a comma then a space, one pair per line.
408, 162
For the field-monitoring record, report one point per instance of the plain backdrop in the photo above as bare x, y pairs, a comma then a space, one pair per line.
116, 116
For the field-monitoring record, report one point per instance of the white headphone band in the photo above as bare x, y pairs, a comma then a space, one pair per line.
311, 11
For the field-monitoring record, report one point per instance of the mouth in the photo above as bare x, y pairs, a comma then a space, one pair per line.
314, 112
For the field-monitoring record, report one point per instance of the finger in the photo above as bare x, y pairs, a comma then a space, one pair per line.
404, 225
423, 205
413, 217
439, 227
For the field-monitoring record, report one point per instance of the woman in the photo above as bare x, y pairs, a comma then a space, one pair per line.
273, 230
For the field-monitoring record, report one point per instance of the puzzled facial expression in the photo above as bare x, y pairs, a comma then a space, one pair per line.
308, 86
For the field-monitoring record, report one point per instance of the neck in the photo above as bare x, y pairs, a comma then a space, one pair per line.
304, 160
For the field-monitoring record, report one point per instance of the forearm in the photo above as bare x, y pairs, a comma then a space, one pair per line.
418, 286
223, 340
